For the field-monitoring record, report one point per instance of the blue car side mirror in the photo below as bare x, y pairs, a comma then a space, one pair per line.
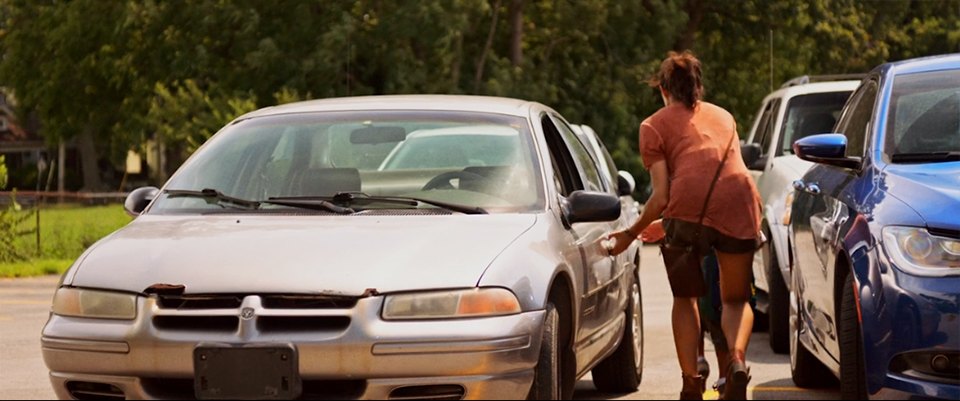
829, 149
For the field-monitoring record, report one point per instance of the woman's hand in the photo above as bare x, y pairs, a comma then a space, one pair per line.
619, 241
654, 233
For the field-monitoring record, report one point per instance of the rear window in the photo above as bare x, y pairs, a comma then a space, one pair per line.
811, 114
924, 114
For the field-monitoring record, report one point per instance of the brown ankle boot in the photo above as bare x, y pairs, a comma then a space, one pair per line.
692, 386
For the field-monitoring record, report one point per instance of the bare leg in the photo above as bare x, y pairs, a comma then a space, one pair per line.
737, 319
686, 333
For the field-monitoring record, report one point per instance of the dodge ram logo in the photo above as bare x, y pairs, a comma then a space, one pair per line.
247, 313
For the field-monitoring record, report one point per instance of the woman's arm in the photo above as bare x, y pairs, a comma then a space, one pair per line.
655, 206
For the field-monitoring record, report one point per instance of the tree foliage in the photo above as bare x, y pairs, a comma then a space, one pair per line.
132, 70
3, 173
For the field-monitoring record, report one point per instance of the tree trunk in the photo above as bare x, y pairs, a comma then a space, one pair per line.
455, 66
486, 48
88, 161
516, 32
694, 10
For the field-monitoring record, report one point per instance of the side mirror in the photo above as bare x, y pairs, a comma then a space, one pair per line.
752, 156
829, 149
625, 183
139, 199
584, 207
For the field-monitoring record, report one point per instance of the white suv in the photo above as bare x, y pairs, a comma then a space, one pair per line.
803, 106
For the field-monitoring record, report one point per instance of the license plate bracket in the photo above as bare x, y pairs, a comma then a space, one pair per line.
256, 372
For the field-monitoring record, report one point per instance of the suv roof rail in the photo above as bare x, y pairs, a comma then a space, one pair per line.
807, 79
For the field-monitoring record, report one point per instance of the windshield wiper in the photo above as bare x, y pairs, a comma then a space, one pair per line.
314, 204
929, 157
350, 198
213, 197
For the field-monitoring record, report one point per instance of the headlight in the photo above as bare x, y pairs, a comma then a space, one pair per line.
916, 251
480, 302
94, 304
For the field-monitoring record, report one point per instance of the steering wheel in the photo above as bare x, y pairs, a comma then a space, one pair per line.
442, 181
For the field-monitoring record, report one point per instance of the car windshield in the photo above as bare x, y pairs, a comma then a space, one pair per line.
811, 114
453, 160
924, 116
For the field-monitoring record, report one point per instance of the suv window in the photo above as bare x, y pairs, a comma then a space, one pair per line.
812, 114
766, 127
856, 118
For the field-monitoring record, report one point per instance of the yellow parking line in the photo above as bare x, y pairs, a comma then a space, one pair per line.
779, 389
713, 394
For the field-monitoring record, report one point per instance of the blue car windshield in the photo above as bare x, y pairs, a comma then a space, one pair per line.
924, 117
263, 164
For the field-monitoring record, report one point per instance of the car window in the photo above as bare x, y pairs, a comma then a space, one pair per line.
471, 159
608, 169
585, 162
452, 147
856, 119
811, 114
924, 114
565, 169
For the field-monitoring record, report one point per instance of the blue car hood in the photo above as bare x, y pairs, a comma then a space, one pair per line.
933, 190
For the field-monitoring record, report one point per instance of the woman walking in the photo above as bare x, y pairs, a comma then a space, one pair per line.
709, 202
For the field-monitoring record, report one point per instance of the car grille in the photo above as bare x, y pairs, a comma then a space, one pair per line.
271, 313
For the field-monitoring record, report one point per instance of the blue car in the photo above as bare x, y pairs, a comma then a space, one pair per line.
875, 235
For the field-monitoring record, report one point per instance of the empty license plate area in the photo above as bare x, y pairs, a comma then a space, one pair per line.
246, 372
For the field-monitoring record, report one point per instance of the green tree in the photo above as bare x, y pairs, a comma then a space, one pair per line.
3, 173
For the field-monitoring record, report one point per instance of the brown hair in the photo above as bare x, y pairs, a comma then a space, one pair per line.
680, 76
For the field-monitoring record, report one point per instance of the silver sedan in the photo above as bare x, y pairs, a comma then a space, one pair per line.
287, 259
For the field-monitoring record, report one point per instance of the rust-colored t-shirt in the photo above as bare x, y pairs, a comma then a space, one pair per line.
692, 143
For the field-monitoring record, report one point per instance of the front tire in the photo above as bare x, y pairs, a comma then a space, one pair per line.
778, 313
853, 382
546, 382
622, 371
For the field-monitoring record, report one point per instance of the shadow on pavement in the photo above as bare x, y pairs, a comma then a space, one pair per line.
785, 389
587, 391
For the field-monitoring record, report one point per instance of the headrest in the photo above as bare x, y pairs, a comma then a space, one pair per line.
330, 181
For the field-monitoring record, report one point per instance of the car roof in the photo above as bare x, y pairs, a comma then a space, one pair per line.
924, 64
480, 104
817, 87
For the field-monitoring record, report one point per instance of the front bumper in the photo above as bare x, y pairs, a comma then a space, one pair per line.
366, 358
906, 315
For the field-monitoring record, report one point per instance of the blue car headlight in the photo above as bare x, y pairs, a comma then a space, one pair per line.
916, 251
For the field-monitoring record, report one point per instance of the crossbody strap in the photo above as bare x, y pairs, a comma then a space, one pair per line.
703, 213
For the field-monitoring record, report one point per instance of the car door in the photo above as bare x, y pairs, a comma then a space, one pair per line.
598, 267
763, 137
825, 207
609, 175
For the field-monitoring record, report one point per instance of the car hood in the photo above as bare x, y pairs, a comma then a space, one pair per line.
933, 190
299, 254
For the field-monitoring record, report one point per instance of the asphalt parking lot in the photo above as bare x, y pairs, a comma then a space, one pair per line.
24, 305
